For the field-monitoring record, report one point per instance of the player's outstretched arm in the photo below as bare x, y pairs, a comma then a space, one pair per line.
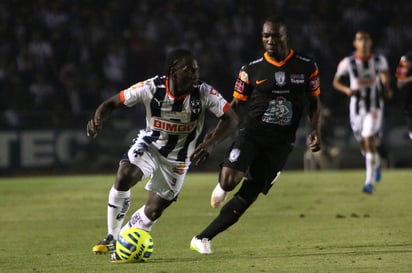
225, 126
386, 82
313, 140
102, 112
339, 86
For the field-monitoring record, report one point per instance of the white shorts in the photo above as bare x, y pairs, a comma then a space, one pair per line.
166, 176
366, 124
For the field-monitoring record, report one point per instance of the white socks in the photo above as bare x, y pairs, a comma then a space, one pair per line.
372, 162
117, 207
140, 220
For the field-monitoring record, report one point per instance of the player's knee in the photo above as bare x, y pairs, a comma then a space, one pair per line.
230, 178
153, 212
228, 185
248, 197
127, 176
249, 192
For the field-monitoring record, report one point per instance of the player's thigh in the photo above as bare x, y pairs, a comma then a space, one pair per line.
136, 165
127, 175
264, 171
372, 124
356, 123
241, 154
142, 157
168, 178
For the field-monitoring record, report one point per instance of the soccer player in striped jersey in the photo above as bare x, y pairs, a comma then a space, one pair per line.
369, 82
175, 112
275, 89
404, 81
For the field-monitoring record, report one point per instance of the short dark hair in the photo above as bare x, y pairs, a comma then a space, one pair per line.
177, 55
274, 19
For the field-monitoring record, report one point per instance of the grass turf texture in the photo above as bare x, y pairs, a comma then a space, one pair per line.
309, 222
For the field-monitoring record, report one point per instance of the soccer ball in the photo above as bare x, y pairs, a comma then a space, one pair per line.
134, 245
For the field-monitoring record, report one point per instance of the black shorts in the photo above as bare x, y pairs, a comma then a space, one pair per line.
260, 160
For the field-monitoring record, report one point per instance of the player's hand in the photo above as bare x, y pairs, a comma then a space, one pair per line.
353, 92
200, 154
313, 141
203, 151
93, 126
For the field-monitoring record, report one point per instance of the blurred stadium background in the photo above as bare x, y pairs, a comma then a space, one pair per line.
59, 59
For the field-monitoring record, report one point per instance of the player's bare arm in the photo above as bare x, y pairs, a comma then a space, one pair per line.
237, 106
102, 112
313, 139
386, 81
225, 126
338, 85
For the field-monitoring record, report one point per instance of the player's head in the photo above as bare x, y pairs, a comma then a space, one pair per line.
407, 57
275, 37
182, 70
363, 43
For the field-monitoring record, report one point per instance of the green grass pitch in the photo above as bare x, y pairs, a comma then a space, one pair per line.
309, 222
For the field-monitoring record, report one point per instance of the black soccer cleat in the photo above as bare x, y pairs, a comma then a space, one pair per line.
107, 245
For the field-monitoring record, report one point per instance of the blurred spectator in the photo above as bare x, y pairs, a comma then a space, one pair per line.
42, 91
40, 51
79, 47
114, 63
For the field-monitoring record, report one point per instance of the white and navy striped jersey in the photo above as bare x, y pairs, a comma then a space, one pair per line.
364, 76
173, 125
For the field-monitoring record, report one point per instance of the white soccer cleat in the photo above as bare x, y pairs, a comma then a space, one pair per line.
203, 246
218, 197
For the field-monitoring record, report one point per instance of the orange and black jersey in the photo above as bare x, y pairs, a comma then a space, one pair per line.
277, 93
404, 70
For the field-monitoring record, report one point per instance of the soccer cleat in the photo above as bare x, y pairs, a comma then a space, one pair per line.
203, 246
107, 245
115, 258
368, 188
218, 197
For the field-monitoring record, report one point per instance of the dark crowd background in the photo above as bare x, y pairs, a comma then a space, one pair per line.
60, 59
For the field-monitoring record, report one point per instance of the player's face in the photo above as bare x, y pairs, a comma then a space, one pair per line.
274, 39
185, 76
363, 43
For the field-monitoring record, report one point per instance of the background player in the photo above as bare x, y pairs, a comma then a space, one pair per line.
175, 111
404, 81
368, 78
277, 87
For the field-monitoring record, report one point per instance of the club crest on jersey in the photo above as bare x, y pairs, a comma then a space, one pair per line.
234, 155
195, 106
280, 78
